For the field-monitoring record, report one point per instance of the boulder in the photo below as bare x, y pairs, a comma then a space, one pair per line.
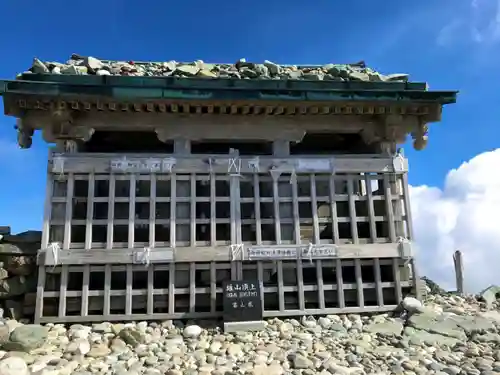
26, 338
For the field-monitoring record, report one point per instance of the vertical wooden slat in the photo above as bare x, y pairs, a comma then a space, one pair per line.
333, 209
128, 292
192, 287
359, 283
388, 206
173, 204
340, 283
352, 210
256, 197
416, 280
407, 206
371, 208
300, 285
378, 282
90, 211
397, 280
150, 298
398, 206
314, 208
85, 290
213, 212
213, 288
111, 211
69, 211
40, 289
260, 277
47, 210
152, 210
321, 291
107, 290
62, 292
281, 290
296, 214
237, 217
192, 200
131, 212
234, 180
171, 288
276, 208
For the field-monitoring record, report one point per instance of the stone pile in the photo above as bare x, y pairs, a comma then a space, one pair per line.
78, 65
18, 272
447, 335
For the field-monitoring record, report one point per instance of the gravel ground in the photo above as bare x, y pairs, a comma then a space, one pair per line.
446, 335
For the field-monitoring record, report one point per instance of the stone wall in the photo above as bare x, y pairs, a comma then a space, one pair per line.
18, 276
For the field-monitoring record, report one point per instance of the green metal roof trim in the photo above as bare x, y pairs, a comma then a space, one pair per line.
128, 88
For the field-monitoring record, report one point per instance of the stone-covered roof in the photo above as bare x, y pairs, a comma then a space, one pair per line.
87, 65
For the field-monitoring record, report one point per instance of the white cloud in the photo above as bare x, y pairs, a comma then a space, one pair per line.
479, 22
464, 215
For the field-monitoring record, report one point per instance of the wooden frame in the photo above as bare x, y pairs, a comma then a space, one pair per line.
180, 295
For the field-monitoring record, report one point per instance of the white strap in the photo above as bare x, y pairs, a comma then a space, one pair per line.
254, 164
144, 257
309, 252
234, 166
55, 248
236, 251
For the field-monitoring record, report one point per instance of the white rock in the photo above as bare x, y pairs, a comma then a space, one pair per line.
412, 304
13, 366
80, 346
103, 72
192, 332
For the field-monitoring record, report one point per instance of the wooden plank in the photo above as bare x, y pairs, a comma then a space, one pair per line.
213, 212
192, 199
90, 211
333, 209
47, 210
128, 295
173, 205
352, 210
371, 208
199, 254
340, 284
171, 289
416, 279
131, 212
276, 208
107, 290
62, 292
150, 297
40, 289
213, 288
258, 223
208, 315
296, 213
111, 211
300, 285
398, 292
407, 206
192, 287
321, 291
359, 283
378, 282
314, 209
101, 163
388, 206
85, 291
281, 291
152, 210
69, 211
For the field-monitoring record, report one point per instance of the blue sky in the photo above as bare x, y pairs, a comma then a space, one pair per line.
451, 44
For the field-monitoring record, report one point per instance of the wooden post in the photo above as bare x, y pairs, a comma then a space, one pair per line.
459, 271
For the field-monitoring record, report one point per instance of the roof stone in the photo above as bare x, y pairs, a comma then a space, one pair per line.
82, 65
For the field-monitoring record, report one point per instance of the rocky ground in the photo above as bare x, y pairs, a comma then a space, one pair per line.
83, 65
448, 335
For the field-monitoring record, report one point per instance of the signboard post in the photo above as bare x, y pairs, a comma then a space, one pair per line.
242, 305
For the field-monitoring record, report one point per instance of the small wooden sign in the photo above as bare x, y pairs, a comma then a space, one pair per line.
242, 301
